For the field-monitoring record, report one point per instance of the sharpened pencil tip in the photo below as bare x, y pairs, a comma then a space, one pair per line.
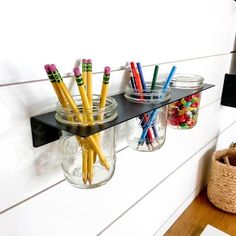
84, 180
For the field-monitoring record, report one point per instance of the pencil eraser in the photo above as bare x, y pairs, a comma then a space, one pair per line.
77, 71
89, 61
47, 68
107, 70
53, 68
84, 61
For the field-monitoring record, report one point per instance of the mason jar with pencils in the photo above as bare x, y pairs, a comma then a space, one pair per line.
183, 113
84, 166
87, 161
147, 132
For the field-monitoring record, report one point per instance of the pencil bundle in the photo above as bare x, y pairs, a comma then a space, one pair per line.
91, 148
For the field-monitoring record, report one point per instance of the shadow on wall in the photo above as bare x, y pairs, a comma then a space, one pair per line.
47, 159
117, 84
204, 166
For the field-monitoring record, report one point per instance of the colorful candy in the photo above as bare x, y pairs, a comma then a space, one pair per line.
183, 113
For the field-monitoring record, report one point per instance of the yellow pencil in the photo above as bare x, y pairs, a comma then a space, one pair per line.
91, 154
73, 105
57, 89
104, 91
90, 96
84, 167
87, 108
86, 103
89, 83
84, 77
97, 148
66, 93
90, 165
56, 82
58, 92
84, 72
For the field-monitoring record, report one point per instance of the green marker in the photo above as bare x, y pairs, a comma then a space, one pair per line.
154, 79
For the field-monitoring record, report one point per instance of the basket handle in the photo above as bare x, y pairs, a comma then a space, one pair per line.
226, 160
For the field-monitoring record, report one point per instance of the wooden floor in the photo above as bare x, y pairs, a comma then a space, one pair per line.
198, 215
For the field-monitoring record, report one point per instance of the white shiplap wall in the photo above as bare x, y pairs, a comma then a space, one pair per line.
148, 191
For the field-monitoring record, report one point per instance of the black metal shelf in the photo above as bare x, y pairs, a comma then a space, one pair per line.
46, 129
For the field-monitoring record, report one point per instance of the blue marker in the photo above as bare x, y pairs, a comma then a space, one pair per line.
155, 132
141, 76
148, 124
168, 80
142, 124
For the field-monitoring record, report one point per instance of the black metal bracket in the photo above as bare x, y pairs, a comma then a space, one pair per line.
46, 129
42, 133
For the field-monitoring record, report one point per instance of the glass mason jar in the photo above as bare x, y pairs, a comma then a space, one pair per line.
183, 113
148, 96
88, 162
148, 131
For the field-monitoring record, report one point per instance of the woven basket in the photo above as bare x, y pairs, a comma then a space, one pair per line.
221, 189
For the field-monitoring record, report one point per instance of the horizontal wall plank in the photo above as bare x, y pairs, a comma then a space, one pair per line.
147, 217
159, 33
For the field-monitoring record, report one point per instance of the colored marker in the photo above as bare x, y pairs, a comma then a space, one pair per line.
168, 80
132, 81
153, 86
147, 126
141, 76
136, 77
154, 79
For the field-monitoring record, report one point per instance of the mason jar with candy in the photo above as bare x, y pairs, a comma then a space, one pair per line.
183, 113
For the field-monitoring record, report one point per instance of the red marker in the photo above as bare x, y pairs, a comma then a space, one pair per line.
136, 77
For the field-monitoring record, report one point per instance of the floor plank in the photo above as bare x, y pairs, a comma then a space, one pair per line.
198, 215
